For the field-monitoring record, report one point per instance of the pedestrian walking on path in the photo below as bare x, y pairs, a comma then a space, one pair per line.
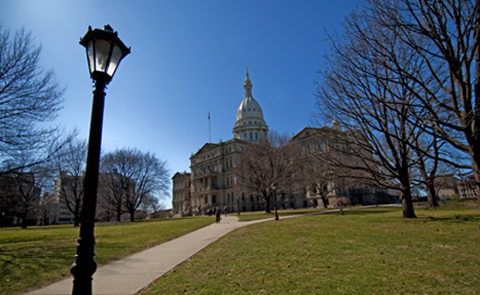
217, 215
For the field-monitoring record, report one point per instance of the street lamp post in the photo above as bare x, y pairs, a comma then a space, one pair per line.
104, 53
274, 188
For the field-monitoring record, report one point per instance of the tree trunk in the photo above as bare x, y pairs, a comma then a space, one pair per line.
76, 217
407, 204
119, 214
24, 221
476, 177
324, 200
431, 195
267, 205
132, 216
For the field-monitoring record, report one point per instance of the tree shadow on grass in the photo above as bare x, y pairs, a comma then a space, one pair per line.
369, 211
454, 218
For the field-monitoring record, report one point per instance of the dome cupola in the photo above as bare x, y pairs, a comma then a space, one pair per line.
250, 125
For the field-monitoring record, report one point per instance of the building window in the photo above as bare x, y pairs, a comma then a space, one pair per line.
256, 136
245, 135
251, 136
319, 145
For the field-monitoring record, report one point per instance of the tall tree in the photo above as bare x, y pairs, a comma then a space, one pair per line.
266, 162
20, 193
28, 96
140, 175
70, 182
445, 34
111, 191
373, 103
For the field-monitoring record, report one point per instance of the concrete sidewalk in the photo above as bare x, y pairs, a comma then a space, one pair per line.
130, 275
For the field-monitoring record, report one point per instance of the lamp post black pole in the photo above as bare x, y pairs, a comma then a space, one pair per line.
85, 266
275, 203
238, 205
275, 200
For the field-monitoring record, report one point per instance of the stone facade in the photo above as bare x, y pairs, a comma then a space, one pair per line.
212, 178
181, 193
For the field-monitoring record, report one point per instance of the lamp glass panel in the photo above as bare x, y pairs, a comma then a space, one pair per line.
102, 49
90, 57
114, 60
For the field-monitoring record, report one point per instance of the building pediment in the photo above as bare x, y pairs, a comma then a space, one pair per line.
206, 147
179, 175
307, 131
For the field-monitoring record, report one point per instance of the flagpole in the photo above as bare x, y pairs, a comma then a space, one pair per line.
209, 129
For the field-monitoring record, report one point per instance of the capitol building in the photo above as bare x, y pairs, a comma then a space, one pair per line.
211, 180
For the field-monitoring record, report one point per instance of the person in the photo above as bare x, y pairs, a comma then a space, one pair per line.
225, 209
217, 214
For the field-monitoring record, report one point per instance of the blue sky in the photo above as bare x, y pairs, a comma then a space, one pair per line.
188, 58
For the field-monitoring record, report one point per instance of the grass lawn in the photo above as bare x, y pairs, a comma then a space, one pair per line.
368, 251
37, 255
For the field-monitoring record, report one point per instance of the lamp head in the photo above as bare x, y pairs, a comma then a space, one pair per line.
104, 52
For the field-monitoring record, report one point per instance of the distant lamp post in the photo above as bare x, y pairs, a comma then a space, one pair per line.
274, 188
104, 53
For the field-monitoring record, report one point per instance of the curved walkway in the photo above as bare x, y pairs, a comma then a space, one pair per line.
132, 274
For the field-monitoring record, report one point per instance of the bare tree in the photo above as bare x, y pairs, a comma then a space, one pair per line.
261, 164
445, 34
111, 190
140, 175
20, 194
69, 184
28, 96
319, 176
151, 204
356, 89
23, 197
